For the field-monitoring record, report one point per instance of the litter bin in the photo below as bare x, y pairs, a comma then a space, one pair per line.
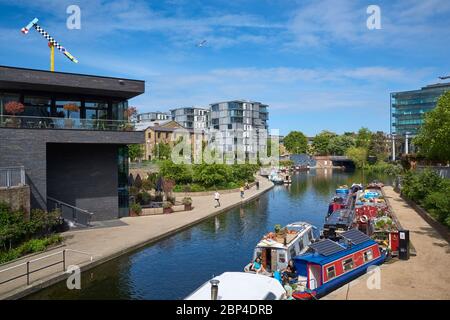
403, 244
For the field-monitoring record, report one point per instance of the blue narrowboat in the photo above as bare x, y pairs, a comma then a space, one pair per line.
331, 264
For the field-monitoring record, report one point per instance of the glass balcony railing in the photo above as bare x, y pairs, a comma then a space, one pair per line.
23, 122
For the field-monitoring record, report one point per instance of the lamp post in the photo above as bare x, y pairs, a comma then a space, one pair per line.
393, 146
407, 142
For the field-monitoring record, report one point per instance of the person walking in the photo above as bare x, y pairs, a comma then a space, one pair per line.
257, 184
217, 198
242, 192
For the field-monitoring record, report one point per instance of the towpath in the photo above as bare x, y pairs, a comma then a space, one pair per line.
424, 276
104, 244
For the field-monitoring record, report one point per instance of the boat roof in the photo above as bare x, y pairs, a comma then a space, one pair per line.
326, 250
241, 286
340, 216
299, 227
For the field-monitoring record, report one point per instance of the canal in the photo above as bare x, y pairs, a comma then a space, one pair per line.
175, 266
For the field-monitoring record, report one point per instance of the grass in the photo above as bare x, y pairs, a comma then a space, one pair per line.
30, 246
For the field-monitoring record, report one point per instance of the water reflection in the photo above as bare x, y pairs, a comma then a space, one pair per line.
173, 267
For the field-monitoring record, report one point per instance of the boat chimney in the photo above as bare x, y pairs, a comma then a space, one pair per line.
214, 288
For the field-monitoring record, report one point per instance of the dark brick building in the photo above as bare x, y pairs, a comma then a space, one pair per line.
71, 138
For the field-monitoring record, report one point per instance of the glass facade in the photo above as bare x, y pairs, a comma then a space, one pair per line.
122, 161
408, 108
64, 112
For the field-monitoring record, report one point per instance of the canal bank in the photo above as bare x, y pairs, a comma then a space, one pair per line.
124, 236
423, 277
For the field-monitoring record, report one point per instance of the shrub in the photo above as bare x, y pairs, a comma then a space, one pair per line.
180, 173
416, 186
187, 200
136, 208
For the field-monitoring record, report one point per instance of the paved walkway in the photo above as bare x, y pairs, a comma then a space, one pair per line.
424, 276
107, 243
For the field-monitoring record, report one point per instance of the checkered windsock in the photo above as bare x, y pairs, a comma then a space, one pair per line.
55, 43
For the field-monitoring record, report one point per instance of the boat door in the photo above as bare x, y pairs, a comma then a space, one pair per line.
314, 278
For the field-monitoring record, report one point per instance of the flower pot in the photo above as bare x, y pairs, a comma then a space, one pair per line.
167, 210
134, 214
187, 207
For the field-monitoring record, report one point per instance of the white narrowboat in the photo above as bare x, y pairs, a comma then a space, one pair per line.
275, 249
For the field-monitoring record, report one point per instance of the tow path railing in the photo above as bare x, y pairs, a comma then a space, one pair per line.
70, 212
62, 255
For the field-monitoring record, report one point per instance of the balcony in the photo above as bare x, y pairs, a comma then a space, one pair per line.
22, 122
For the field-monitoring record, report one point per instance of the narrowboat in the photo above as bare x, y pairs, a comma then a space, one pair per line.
330, 264
239, 286
287, 179
340, 213
275, 249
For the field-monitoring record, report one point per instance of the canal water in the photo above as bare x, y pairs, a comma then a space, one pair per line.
175, 266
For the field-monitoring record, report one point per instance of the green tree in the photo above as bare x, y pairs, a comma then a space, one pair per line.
377, 146
209, 175
162, 151
296, 142
358, 156
363, 138
434, 136
180, 173
340, 144
321, 142
135, 151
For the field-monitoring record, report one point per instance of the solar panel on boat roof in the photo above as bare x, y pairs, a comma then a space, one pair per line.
326, 247
355, 236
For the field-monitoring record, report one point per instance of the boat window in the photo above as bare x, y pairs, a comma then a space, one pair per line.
368, 255
300, 246
348, 264
331, 272
281, 257
310, 235
292, 252
270, 296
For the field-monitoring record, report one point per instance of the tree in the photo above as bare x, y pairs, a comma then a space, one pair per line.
161, 151
180, 173
135, 151
321, 142
340, 144
296, 142
377, 146
363, 138
358, 156
434, 136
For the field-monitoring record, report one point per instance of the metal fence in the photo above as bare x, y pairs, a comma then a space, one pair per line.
12, 177
69, 212
444, 172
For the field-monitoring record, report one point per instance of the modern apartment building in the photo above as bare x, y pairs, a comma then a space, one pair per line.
191, 118
69, 133
153, 116
409, 107
242, 123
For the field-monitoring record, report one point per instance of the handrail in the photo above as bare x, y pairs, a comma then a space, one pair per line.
27, 264
73, 213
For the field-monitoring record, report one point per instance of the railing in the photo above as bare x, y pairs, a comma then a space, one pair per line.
69, 212
25, 122
12, 177
29, 271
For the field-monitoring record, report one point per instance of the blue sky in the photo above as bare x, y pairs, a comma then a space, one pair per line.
314, 62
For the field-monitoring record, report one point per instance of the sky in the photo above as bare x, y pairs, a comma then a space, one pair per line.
315, 63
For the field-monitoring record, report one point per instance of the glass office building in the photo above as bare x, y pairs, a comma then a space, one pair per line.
408, 108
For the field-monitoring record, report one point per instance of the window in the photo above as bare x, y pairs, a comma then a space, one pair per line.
292, 252
73, 112
37, 106
368, 255
331, 272
281, 257
347, 264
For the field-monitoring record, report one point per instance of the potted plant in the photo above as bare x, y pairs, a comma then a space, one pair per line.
187, 201
167, 207
14, 108
70, 107
135, 210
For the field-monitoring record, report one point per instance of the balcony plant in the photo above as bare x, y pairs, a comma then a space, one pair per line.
14, 108
167, 207
135, 210
187, 201
70, 107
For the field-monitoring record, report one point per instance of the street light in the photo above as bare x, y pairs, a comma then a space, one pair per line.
393, 146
